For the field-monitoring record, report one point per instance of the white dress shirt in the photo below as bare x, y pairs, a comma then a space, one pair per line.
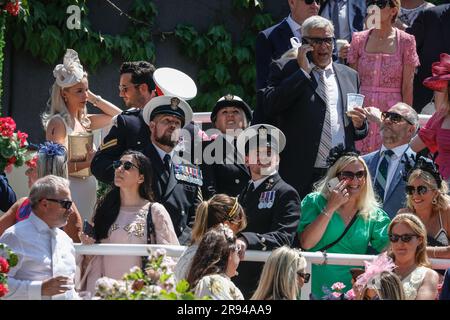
393, 164
258, 182
295, 27
162, 153
43, 253
344, 26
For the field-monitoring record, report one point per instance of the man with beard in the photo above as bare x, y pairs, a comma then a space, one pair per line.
129, 130
176, 183
387, 165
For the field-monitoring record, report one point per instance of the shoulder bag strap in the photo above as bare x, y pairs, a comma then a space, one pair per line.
342, 235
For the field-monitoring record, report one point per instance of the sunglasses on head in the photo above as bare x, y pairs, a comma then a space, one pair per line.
421, 190
318, 41
66, 204
349, 175
404, 237
304, 275
379, 3
394, 117
311, 1
127, 165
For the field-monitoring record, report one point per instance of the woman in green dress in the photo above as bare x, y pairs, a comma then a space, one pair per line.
348, 201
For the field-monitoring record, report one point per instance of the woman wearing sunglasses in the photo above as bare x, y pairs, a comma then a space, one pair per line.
385, 58
426, 197
126, 214
51, 159
341, 216
283, 275
408, 238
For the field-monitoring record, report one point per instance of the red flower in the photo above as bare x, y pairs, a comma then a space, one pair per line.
4, 265
7, 126
3, 290
22, 136
12, 160
13, 8
32, 163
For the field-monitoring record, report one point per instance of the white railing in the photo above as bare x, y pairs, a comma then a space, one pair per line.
250, 255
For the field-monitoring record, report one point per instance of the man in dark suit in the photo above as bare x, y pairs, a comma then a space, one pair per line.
129, 130
223, 170
176, 182
387, 165
310, 102
347, 17
7, 194
274, 41
271, 205
432, 31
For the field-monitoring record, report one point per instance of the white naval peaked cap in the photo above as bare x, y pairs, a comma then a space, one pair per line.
173, 82
167, 105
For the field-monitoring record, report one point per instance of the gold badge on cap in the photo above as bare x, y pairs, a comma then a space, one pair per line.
174, 102
262, 131
229, 97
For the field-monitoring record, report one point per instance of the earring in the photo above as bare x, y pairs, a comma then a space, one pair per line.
434, 201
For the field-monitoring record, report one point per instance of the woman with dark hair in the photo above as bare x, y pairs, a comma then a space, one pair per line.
126, 214
214, 263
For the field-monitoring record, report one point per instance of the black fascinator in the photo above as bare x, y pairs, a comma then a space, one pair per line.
424, 164
340, 151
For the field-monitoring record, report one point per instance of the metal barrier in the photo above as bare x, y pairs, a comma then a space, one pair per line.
250, 255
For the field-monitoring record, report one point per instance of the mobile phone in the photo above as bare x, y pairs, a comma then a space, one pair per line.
309, 56
332, 183
88, 229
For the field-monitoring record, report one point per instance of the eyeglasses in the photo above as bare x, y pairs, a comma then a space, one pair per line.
379, 3
404, 237
311, 1
304, 275
349, 175
318, 41
124, 89
66, 204
394, 117
127, 165
421, 190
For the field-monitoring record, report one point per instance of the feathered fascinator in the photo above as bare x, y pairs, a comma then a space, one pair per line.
70, 72
52, 149
340, 151
424, 164
371, 277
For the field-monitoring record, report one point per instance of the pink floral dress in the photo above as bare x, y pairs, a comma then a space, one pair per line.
437, 139
381, 76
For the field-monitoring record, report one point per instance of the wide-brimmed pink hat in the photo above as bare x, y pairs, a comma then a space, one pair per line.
441, 74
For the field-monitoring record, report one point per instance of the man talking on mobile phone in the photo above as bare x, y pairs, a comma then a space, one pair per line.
308, 96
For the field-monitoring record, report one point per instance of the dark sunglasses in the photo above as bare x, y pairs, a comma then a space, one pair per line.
124, 89
349, 175
304, 275
421, 190
66, 204
379, 3
311, 1
404, 237
394, 117
127, 165
318, 41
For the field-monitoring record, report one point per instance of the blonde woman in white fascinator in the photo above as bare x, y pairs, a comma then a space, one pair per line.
66, 114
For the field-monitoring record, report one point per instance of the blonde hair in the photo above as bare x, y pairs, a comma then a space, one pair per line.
219, 209
367, 201
418, 228
391, 287
442, 199
279, 276
57, 105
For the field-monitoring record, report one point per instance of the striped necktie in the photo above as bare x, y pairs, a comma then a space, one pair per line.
380, 180
325, 139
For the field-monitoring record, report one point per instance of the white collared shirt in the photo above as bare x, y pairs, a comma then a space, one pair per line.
344, 26
336, 115
295, 27
43, 253
258, 182
162, 153
393, 164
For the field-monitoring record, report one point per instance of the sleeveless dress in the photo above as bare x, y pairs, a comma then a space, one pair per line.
83, 190
381, 76
413, 281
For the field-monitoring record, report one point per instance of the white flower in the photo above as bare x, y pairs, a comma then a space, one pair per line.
135, 269
105, 285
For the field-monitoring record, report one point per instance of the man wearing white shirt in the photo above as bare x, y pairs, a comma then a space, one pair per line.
386, 166
46, 266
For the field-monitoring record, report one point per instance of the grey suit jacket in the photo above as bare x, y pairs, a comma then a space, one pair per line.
395, 196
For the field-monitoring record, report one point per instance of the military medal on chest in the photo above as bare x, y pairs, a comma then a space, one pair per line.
266, 200
188, 174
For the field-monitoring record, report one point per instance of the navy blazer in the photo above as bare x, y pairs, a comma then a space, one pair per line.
432, 32
395, 196
293, 98
356, 12
445, 292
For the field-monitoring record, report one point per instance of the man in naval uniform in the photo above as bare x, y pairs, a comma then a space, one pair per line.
271, 205
176, 183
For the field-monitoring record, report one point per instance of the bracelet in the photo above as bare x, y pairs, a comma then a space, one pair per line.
97, 99
326, 213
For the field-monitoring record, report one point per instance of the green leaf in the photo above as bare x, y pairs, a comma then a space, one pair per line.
221, 74
182, 286
242, 54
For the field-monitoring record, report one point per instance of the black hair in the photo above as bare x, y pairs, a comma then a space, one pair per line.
108, 207
141, 72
